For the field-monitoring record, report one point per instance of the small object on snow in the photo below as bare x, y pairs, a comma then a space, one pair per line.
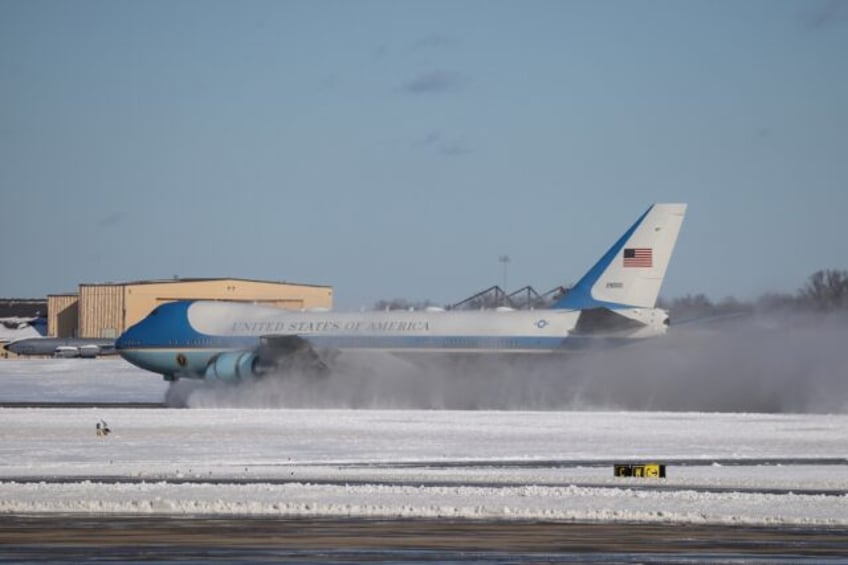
102, 429
644, 470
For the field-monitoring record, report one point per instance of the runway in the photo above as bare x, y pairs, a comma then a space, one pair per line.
33, 404
37, 539
649, 486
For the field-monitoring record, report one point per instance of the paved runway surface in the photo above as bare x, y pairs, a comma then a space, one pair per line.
64, 539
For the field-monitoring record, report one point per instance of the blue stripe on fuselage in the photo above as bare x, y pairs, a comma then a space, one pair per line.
387, 342
195, 358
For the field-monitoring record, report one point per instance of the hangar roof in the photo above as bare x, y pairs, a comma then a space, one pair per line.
200, 279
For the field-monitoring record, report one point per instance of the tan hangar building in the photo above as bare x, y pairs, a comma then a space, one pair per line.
107, 309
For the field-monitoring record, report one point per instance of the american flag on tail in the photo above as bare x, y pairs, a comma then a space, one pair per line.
639, 257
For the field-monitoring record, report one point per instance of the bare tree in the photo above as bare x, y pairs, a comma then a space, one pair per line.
690, 307
826, 290
777, 301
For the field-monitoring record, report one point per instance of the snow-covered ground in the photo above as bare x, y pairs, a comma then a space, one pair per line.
15, 327
108, 379
425, 463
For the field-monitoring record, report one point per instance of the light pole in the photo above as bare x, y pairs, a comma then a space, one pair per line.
505, 260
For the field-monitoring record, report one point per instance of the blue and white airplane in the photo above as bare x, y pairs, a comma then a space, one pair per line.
230, 341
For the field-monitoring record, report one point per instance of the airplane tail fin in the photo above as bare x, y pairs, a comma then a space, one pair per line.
631, 272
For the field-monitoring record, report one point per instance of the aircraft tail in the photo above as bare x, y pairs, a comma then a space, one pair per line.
631, 272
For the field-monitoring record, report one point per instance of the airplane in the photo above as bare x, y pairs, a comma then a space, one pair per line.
86, 348
614, 302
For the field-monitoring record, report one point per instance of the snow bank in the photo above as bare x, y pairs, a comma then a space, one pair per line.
509, 503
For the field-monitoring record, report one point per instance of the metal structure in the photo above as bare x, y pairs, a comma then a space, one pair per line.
525, 298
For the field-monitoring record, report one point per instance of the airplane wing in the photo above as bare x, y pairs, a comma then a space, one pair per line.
283, 344
289, 352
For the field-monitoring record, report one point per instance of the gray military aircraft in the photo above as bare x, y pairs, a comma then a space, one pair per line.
62, 347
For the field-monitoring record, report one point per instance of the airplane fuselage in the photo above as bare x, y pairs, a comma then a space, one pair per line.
198, 331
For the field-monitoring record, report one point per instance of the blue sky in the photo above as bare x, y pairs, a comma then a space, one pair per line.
398, 148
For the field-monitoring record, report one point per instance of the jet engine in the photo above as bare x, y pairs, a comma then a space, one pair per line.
89, 351
232, 366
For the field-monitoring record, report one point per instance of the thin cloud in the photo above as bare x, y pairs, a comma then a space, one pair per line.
430, 42
824, 15
449, 147
381, 51
454, 149
434, 41
433, 82
112, 219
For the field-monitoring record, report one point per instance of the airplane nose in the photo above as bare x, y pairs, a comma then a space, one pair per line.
124, 340
128, 339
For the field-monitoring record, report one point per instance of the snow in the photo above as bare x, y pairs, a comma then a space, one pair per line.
77, 380
15, 332
504, 465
